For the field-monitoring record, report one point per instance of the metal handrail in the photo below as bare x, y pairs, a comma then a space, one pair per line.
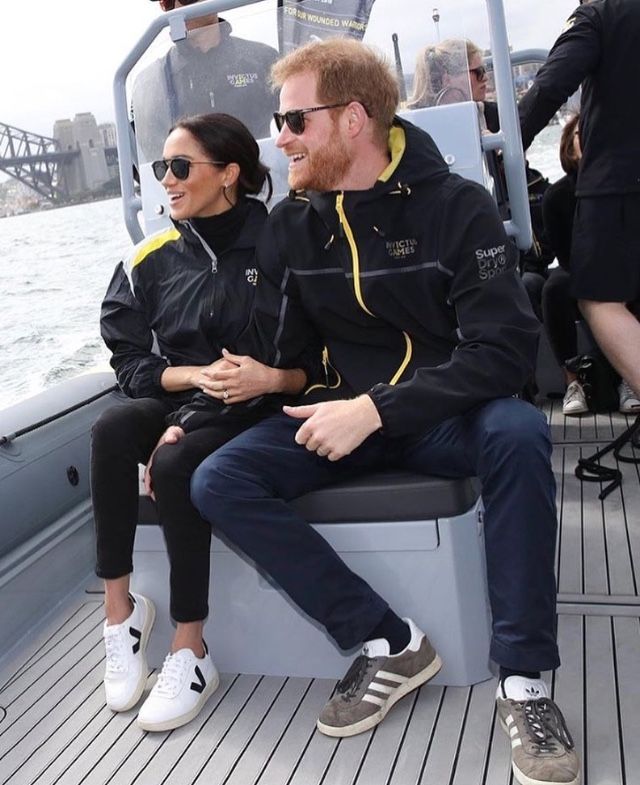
508, 139
10, 437
127, 156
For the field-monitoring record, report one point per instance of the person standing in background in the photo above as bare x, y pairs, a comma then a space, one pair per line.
559, 309
599, 49
211, 70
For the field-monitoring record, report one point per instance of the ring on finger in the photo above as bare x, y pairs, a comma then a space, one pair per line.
225, 394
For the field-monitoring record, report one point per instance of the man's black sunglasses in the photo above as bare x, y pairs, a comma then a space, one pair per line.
179, 167
169, 5
294, 118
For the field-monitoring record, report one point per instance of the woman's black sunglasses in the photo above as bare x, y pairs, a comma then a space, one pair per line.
179, 167
480, 72
294, 118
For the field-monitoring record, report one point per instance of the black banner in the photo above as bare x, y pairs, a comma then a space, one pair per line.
314, 20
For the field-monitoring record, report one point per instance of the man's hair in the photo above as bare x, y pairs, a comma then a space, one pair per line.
346, 70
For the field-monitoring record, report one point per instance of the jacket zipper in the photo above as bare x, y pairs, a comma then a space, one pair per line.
214, 266
326, 364
355, 263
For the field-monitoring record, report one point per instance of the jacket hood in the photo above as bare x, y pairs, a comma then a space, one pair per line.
414, 159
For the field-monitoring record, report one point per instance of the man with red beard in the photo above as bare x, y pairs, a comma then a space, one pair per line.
404, 273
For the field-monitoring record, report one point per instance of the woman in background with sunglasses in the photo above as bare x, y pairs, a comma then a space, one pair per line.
180, 298
448, 73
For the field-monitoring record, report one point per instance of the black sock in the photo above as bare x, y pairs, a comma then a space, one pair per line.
506, 672
393, 630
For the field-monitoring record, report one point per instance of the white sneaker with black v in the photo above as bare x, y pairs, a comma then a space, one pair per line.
183, 687
125, 645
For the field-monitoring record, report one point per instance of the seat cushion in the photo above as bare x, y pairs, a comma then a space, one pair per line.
380, 496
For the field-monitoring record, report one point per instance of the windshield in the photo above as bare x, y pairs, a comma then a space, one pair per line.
223, 63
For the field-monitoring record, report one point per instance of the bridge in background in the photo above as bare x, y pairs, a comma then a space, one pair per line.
38, 162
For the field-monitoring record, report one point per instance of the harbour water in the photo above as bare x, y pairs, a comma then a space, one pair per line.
54, 269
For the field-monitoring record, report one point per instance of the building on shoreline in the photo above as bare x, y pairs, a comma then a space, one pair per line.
90, 174
88, 171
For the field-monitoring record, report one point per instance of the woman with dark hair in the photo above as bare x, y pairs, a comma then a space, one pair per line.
173, 307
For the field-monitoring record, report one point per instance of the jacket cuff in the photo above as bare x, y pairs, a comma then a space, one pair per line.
157, 375
381, 394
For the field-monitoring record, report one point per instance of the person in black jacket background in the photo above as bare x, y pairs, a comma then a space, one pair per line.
599, 49
211, 70
560, 310
405, 273
181, 297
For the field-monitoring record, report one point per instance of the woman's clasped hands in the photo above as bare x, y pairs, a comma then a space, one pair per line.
236, 378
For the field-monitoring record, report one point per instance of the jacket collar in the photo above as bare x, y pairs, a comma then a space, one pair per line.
248, 237
415, 159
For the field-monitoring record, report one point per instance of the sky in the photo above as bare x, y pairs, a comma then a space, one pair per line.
59, 58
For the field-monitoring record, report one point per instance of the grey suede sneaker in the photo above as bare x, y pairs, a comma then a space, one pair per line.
542, 750
375, 681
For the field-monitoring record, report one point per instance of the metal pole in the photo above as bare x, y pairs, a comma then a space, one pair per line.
435, 15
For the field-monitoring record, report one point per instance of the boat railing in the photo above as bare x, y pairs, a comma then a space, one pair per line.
508, 140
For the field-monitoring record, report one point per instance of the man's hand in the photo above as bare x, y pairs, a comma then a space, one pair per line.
236, 378
334, 429
172, 435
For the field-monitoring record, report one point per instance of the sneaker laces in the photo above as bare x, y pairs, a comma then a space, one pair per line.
574, 393
115, 650
626, 393
353, 678
171, 677
546, 726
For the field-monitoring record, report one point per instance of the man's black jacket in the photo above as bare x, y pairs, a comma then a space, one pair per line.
173, 302
411, 285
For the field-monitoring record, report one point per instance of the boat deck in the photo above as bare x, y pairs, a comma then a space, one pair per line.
55, 727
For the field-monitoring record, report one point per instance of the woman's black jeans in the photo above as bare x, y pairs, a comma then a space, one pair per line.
560, 313
124, 436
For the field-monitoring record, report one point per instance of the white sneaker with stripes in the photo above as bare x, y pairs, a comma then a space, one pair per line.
542, 750
375, 681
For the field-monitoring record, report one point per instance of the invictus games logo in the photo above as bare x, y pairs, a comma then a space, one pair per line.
491, 262
242, 80
252, 275
400, 249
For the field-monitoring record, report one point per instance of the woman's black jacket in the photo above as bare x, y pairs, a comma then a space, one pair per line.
173, 302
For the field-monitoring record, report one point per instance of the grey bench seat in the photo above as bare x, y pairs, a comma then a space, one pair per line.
416, 539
